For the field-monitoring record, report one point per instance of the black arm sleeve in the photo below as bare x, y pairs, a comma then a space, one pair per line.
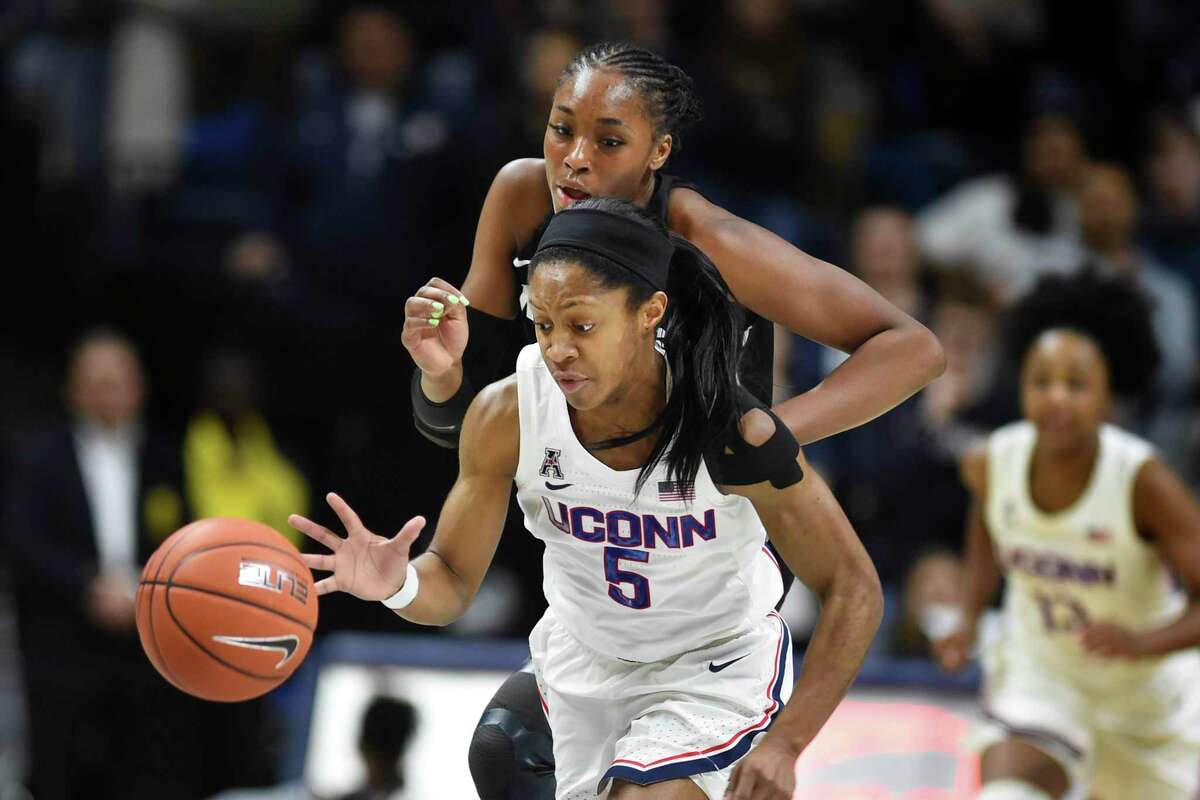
733, 462
489, 356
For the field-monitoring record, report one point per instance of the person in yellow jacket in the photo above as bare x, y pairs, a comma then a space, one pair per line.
232, 467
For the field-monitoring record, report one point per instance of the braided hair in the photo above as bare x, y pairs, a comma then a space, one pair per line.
668, 94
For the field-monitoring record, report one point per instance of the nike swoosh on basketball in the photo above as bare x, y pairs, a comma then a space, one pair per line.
283, 644
554, 486
718, 667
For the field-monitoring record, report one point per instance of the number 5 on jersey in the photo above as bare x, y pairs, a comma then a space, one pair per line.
616, 576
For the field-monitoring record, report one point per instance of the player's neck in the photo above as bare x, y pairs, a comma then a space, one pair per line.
631, 409
1064, 468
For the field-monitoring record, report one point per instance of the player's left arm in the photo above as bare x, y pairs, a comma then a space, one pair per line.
891, 354
1166, 514
811, 532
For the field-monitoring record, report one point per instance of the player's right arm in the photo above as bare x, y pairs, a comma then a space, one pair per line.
449, 573
981, 575
515, 204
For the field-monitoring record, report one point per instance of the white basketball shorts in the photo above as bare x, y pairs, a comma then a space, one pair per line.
692, 716
1139, 742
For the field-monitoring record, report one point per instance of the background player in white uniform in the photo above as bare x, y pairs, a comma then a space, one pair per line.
1092, 687
660, 660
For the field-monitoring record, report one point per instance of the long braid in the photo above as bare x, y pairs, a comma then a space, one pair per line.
668, 93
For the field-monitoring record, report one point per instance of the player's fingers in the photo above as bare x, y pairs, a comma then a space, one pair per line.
453, 305
745, 787
734, 778
318, 561
409, 533
417, 323
346, 514
314, 531
416, 330
425, 305
326, 585
446, 286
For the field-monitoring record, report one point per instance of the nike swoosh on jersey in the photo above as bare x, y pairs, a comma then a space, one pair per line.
556, 486
283, 644
718, 667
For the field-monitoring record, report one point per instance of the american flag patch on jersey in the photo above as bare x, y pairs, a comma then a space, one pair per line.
669, 491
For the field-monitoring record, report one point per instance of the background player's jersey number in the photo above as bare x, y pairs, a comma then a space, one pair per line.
638, 593
1060, 612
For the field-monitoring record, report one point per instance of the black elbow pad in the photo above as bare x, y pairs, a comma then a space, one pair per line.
733, 462
440, 423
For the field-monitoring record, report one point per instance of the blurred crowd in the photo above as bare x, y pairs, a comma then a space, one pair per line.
215, 208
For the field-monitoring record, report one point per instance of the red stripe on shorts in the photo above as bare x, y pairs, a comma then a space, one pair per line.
732, 739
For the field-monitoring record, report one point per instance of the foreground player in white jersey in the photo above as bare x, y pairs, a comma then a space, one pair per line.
1092, 688
654, 482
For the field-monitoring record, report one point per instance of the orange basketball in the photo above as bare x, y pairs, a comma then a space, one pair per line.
226, 609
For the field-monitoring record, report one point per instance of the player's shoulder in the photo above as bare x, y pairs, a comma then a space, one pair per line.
525, 176
1125, 443
973, 467
998, 446
689, 213
519, 198
491, 436
496, 402
757, 448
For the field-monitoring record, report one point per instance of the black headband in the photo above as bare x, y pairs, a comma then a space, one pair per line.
636, 247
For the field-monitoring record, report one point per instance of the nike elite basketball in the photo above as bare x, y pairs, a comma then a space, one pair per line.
226, 609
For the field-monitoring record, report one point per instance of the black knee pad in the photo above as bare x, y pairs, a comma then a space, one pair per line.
511, 754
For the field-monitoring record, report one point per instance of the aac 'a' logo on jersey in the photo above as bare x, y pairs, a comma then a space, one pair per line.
551, 468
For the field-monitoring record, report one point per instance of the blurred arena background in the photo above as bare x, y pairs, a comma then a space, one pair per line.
248, 189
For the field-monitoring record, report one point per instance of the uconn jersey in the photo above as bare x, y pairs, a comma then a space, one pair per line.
1083, 564
645, 578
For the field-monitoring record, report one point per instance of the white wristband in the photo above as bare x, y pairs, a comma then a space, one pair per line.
408, 591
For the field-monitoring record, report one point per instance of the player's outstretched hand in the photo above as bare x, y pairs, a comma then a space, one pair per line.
767, 773
364, 564
954, 651
435, 327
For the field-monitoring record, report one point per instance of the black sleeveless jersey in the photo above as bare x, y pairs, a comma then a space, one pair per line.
757, 363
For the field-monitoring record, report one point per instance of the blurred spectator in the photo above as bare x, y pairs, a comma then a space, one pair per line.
515, 123
884, 255
643, 22
1170, 228
387, 728
750, 152
1108, 215
897, 476
232, 466
371, 182
147, 101
58, 73
85, 504
1008, 230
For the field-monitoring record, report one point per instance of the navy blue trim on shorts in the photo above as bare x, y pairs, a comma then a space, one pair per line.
1027, 732
702, 764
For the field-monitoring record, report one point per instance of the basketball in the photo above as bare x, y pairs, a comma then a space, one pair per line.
226, 609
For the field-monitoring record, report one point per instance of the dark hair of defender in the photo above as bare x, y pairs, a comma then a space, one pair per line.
701, 339
668, 94
1112, 312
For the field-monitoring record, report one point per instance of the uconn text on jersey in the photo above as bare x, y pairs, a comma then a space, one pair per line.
627, 529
